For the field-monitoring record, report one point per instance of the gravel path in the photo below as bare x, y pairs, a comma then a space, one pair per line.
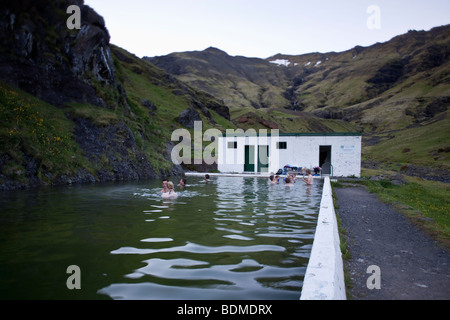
412, 265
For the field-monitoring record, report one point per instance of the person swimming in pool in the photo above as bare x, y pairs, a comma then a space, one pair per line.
164, 184
293, 177
182, 183
170, 194
288, 182
277, 179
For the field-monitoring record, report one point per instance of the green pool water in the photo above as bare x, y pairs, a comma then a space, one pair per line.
231, 238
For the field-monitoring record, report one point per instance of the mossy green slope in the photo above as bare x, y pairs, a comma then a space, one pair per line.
39, 142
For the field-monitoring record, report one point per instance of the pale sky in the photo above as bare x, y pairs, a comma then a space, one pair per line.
263, 28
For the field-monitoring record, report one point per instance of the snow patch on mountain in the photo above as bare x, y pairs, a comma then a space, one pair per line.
281, 62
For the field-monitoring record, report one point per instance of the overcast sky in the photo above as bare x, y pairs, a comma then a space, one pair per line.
262, 28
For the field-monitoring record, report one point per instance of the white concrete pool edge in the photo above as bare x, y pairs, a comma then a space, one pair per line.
239, 175
324, 278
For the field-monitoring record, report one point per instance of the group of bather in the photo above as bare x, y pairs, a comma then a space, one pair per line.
168, 190
290, 179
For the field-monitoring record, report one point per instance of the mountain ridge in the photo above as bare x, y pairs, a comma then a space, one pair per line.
184, 66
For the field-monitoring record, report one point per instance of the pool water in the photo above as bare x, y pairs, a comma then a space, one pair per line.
231, 238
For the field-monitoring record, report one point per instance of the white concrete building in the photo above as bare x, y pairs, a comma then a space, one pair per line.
338, 154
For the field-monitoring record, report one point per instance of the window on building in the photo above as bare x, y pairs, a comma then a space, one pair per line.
232, 145
282, 145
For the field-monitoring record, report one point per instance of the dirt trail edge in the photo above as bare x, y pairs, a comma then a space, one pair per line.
412, 266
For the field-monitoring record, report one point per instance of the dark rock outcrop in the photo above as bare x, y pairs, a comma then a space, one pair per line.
188, 117
40, 55
113, 151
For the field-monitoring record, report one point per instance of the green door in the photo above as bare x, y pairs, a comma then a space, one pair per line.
263, 159
249, 164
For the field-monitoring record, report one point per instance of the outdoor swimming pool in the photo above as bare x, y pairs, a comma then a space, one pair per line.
231, 238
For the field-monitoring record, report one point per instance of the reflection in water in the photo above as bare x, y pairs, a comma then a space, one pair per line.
230, 238
248, 240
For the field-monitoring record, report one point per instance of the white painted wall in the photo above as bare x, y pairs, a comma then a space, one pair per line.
302, 151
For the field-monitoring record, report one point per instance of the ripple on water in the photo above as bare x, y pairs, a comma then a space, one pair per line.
152, 211
262, 240
237, 237
196, 248
157, 240
179, 275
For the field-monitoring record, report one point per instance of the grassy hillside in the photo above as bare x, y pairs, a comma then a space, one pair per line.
289, 121
76, 109
42, 144
168, 98
33, 129
254, 89
425, 203
425, 146
238, 81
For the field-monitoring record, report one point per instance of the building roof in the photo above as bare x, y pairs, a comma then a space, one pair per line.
254, 133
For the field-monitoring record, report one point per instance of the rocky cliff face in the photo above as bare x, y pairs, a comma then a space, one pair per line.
73, 71
40, 55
